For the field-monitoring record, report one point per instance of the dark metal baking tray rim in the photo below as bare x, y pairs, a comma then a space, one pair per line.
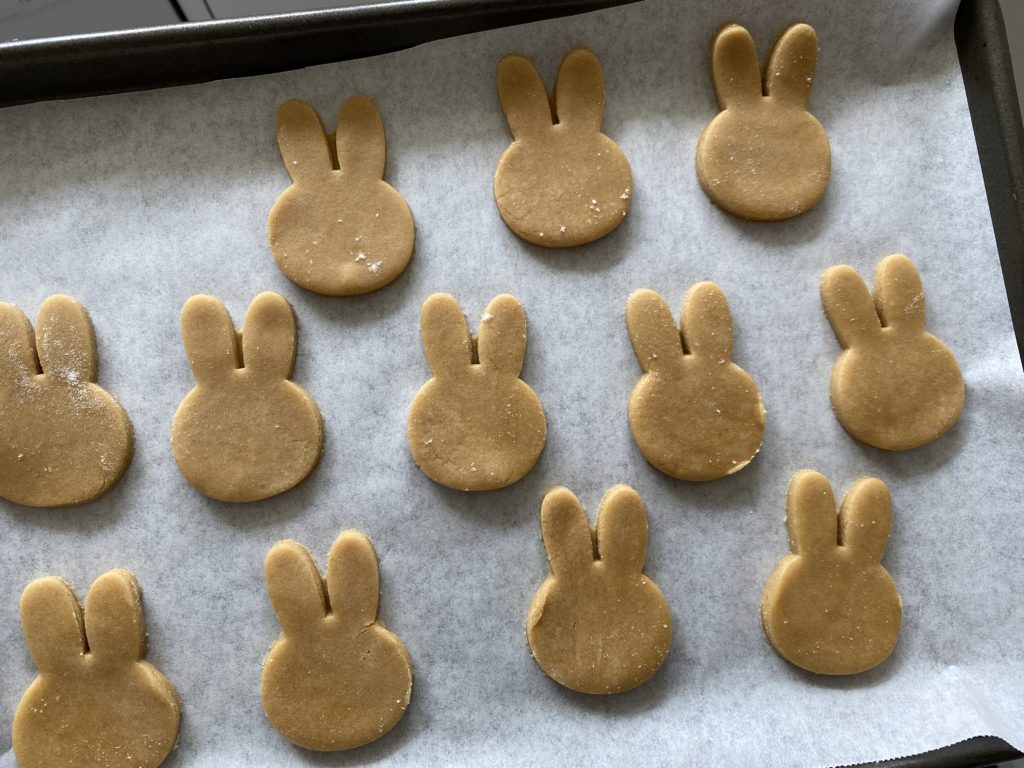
88, 65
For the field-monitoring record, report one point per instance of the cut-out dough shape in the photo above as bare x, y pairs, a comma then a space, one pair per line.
246, 431
561, 182
64, 440
336, 678
894, 386
764, 157
694, 414
598, 624
831, 607
339, 229
475, 426
96, 703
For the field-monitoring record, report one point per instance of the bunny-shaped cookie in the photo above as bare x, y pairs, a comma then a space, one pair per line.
830, 607
246, 431
694, 414
598, 624
335, 678
894, 386
475, 425
63, 439
339, 229
96, 703
764, 157
561, 182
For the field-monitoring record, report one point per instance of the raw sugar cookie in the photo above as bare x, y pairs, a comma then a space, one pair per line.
339, 229
598, 624
335, 678
96, 702
561, 182
830, 607
894, 386
764, 157
246, 431
64, 440
475, 425
694, 413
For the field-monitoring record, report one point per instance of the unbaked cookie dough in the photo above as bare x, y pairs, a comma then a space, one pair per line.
96, 703
894, 386
764, 157
475, 426
339, 229
64, 440
598, 624
246, 431
694, 414
830, 607
561, 182
336, 678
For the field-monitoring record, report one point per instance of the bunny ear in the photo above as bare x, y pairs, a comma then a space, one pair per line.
524, 99
502, 337
302, 140
707, 322
652, 331
353, 581
622, 530
849, 306
579, 91
210, 339
18, 359
362, 149
734, 70
51, 619
446, 339
811, 515
566, 533
268, 337
791, 66
899, 294
114, 627
295, 587
865, 517
65, 340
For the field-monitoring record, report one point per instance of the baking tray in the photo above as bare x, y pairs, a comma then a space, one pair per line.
88, 65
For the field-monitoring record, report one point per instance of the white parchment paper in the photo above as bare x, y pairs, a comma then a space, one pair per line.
133, 203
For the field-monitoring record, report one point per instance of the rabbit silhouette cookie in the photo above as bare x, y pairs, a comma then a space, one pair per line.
64, 440
598, 624
764, 157
336, 678
339, 229
561, 182
246, 431
475, 426
96, 702
830, 607
694, 414
894, 386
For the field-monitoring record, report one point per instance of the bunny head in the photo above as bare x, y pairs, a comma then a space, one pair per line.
475, 426
246, 431
96, 703
65, 439
694, 414
830, 607
598, 624
894, 386
339, 229
764, 157
561, 182
336, 678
